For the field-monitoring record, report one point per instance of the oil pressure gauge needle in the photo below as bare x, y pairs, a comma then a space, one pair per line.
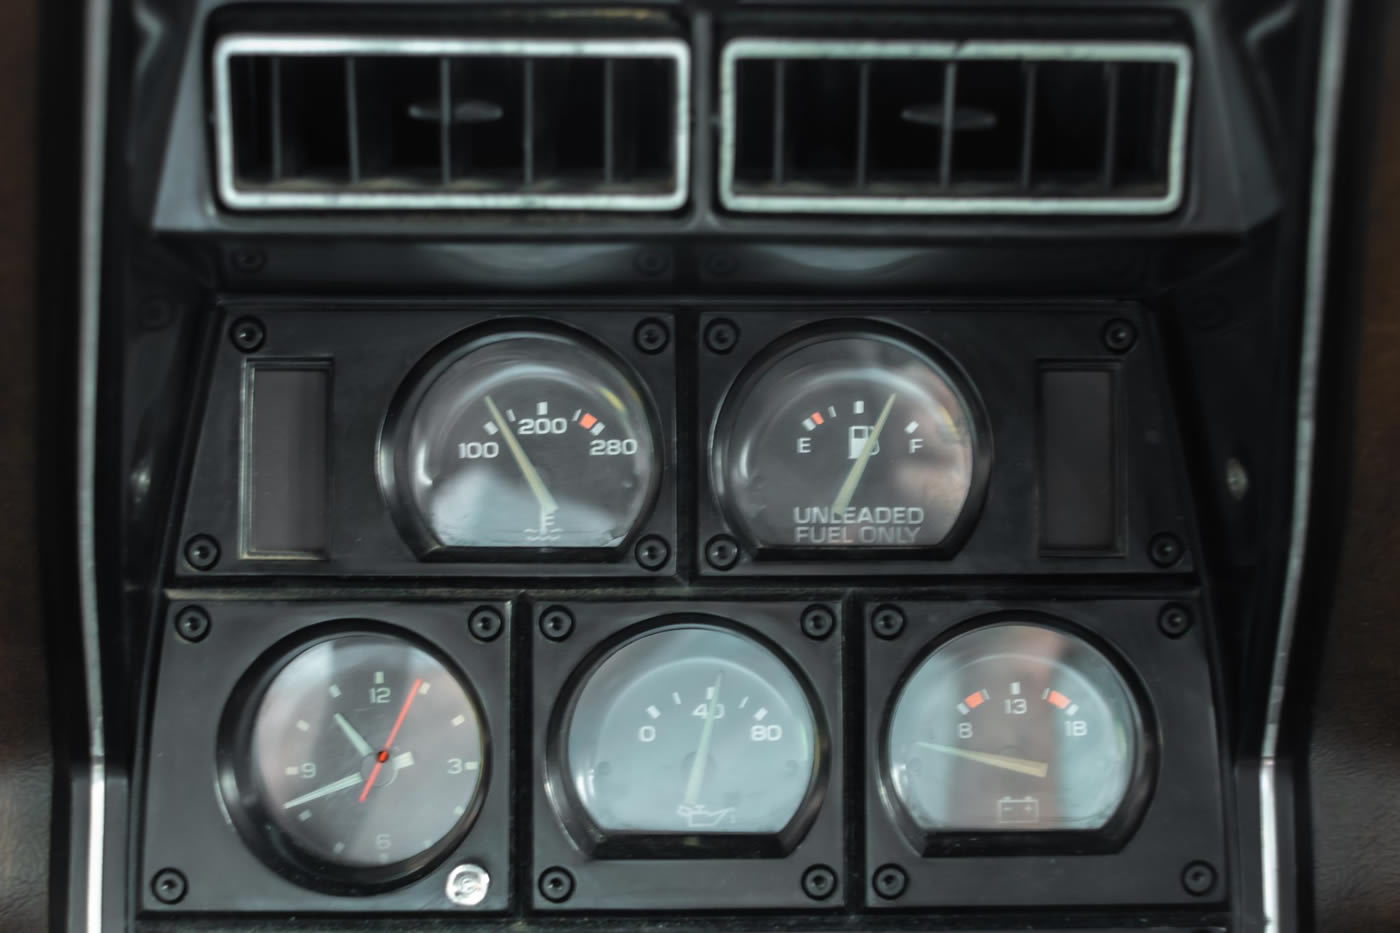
532, 476
848, 488
697, 768
1019, 765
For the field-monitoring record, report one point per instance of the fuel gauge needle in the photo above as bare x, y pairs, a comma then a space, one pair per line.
1019, 765
848, 488
532, 476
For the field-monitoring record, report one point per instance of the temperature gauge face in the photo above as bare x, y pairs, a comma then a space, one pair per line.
846, 442
529, 440
1013, 727
691, 729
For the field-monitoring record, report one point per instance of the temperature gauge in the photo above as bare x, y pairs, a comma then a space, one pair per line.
847, 441
524, 440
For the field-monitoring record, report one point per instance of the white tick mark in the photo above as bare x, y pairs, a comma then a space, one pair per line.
911, 427
303, 725
304, 815
858, 408
334, 690
458, 719
653, 712
424, 688
379, 677
762, 714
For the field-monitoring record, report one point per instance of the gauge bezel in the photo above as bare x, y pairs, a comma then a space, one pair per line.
688, 881
942, 363
246, 809
391, 457
1181, 821
1108, 838
603, 844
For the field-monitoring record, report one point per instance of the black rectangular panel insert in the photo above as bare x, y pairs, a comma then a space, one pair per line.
285, 476
1079, 495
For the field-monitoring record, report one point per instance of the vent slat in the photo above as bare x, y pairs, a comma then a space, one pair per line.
950, 121
1017, 127
779, 121
1031, 71
275, 116
382, 123
352, 119
863, 126
445, 118
527, 139
1110, 135
609, 121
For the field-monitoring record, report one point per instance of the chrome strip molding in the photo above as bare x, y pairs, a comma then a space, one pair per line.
96, 26
1325, 125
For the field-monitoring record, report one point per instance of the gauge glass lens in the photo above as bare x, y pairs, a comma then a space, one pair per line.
1013, 727
847, 442
366, 752
530, 441
692, 729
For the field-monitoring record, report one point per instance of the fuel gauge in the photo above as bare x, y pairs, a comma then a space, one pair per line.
847, 440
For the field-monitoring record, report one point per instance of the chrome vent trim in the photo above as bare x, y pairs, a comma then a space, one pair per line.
243, 196
1174, 54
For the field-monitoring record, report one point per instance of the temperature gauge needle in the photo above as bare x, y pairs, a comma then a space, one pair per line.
532, 476
697, 768
1019, 765
848, 488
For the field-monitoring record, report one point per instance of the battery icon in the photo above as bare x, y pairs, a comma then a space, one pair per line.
1012, 810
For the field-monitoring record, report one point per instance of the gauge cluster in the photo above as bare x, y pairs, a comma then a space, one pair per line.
694, 610
898, 440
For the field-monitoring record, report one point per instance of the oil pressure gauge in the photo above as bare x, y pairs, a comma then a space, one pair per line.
847, 440
688, 732
526, 440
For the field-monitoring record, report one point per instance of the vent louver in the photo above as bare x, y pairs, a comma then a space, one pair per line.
924, 127
378, 123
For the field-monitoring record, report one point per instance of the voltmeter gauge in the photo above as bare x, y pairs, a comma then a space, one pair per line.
528, 440
1014, 727
847, 440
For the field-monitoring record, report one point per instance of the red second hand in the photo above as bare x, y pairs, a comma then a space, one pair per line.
383, 755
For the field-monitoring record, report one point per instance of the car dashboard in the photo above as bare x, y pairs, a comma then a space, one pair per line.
697, 465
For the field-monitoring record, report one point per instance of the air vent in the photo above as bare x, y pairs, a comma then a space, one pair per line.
375, 123
879, 127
